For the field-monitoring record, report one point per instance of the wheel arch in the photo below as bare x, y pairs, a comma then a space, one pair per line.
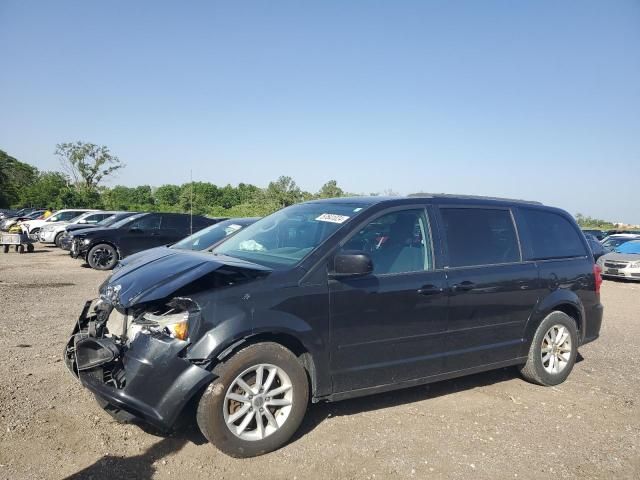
565, 301
287, 340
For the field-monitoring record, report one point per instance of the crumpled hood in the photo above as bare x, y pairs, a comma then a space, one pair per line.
165, 271
621, 257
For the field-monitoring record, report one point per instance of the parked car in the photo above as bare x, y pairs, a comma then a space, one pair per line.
304, 305
101, 248
8, 213
202, 240
623, 262
52, 233
32, 227
614, 241
9, 222
596, 247
67, 237
598, 234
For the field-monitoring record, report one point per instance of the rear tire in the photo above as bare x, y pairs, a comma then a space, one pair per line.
102, 257
231, 424
553, 350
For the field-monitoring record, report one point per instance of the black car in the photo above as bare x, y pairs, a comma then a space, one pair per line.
70, 230
201, 240
598, 234
102, 247
596, 247
333, 299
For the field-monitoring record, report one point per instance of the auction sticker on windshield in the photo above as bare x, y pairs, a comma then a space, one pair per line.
330, 217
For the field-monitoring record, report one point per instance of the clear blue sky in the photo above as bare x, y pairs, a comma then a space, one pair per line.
537, 100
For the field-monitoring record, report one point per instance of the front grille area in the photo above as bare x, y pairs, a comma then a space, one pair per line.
615, 264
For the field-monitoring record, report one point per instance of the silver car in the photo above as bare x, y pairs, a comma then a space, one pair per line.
623, 262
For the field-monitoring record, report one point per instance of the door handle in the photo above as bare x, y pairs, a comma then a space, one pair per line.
430, 290
462, 286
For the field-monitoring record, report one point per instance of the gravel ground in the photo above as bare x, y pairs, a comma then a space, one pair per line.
490, 425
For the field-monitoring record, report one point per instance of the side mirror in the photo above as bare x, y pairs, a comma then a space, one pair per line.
351, 264
82, 221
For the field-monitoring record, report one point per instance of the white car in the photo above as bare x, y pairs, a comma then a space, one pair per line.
623, 262
32, 227
52, 232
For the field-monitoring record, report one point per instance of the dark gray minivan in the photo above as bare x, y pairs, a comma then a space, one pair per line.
332, 299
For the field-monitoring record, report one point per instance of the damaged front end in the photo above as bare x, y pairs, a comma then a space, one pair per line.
133, 359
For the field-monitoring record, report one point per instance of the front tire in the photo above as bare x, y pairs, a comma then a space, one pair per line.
57, 239
553, 350
257, 402
102, 257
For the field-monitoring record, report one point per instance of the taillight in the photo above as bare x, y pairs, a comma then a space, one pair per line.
597, 276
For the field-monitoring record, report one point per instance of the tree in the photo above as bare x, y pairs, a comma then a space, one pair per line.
50, 189
330, 190
167, 195
87, 164
15, 176
283, 192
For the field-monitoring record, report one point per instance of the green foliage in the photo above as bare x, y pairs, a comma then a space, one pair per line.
330, 190
14, 176
49, 189
87, 164
590, 222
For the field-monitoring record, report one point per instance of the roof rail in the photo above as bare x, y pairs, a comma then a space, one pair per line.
474, 197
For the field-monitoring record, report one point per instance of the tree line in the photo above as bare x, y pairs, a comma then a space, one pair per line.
86, 166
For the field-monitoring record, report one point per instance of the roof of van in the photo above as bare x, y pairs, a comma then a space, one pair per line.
372, 200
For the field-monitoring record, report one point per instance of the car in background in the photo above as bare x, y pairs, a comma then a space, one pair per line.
596, 247
598, 234
623, 262
52, 233
67, 236
9, 213
613, 241
101, 248
32, 227
206, 238
9, 222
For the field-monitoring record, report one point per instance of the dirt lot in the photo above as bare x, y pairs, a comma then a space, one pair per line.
491, 425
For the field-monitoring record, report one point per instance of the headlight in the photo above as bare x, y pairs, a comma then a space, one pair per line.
600, 261
86, 241
634, 265
174, 324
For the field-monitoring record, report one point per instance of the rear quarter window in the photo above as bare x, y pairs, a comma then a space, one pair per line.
550, 235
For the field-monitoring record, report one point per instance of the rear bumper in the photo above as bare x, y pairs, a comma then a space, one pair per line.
593, 323
149, 380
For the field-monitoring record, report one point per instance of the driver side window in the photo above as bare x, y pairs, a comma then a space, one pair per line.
397, 242
148, 222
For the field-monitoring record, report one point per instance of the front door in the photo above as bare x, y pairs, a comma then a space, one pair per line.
388, 327
141, 234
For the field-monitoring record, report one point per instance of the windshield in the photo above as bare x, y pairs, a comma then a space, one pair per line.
616, 242
210, 235
284, 238
629, 247
124, 221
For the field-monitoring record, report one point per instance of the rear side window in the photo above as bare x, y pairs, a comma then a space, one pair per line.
480, 236
551, 235
181, 223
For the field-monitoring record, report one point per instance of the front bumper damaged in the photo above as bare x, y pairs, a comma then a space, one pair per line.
149, 378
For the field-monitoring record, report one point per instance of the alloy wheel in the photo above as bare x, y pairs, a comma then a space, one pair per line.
258, 402
556, 349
